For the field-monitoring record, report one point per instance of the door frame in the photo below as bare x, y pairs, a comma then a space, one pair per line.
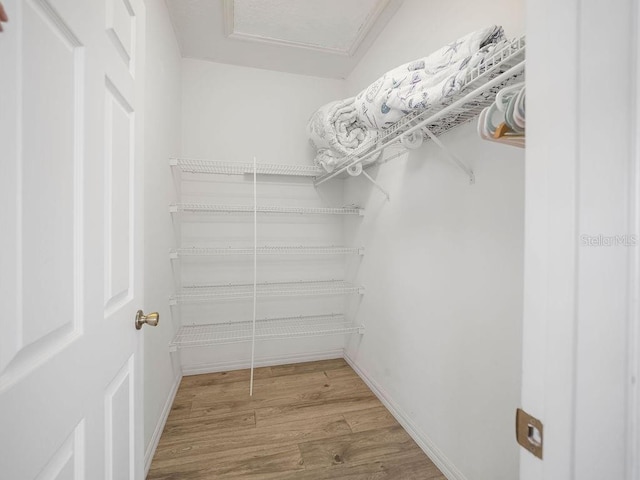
633, 457
581, 337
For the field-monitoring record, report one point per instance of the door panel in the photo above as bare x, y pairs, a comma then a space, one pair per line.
122, 232
119, 128
50, 142
119, 425
121, 29
68, 462
41, 272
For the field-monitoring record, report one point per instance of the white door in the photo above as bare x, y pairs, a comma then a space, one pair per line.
70, 238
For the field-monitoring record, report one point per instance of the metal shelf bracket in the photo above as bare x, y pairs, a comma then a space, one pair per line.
452, 157
377, 185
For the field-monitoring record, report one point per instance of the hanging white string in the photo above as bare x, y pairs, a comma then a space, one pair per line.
255, 271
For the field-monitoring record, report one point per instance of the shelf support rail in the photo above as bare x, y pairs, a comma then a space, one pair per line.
420, 125
255, 270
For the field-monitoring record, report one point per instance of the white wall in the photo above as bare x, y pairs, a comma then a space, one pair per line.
162, 140
234, 113
444, 266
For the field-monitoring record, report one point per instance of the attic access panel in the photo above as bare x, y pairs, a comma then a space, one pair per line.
333, 26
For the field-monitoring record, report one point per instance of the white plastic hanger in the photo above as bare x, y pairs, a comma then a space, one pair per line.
487, 129
507, 92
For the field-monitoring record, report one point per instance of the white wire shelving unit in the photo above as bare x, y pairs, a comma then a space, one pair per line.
207, 293
270, 250
190, 336
190, 165
272, 209
242, 330
482, 83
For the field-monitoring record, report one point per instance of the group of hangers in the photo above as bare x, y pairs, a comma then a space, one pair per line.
504, 120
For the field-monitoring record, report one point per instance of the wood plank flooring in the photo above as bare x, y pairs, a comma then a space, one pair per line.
308, 421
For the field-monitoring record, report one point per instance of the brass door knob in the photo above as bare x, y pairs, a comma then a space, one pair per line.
152, 319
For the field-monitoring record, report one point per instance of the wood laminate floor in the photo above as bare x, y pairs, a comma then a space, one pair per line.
308, 421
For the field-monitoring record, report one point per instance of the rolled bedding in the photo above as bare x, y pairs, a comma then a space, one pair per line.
336, 132
425, 82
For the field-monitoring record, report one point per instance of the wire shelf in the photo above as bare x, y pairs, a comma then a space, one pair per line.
275, 328
278, 250
206, 293
235, 209
481, 85
189, 165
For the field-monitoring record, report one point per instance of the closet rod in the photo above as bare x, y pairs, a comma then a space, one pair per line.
255, 271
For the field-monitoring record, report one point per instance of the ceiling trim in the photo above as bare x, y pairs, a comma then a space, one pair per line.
229, 26
368, 25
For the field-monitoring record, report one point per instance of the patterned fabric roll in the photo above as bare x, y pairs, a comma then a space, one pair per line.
335, 131
425, 82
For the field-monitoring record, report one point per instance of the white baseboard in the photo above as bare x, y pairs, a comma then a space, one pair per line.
157, 433
424, 442
261, 362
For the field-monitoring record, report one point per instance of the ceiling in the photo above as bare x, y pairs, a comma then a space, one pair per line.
325, 38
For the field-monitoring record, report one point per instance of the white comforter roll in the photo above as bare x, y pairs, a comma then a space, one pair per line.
426, 82
336, 132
